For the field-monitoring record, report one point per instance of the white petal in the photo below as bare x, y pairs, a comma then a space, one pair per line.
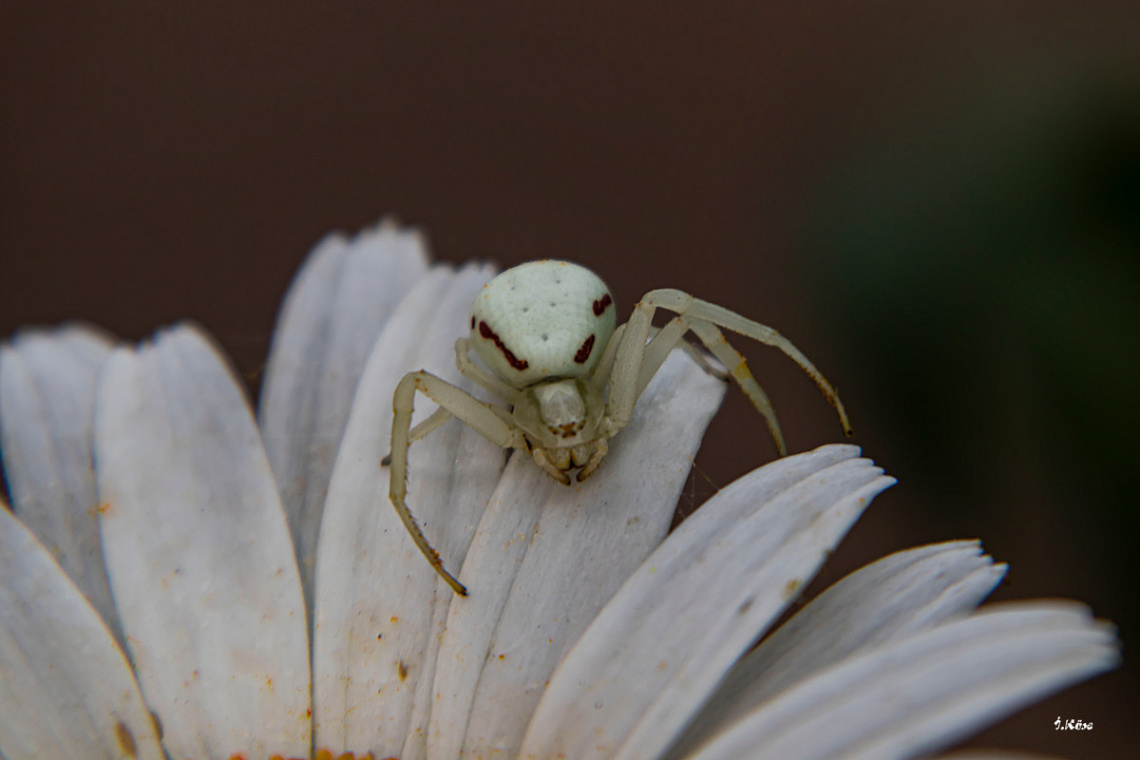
198, 553
334, 311
657, 651
47, 396
547, 557
890, 599
379, 605
915, 696
65, 688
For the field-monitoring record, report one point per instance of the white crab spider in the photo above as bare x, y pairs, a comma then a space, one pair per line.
546, 329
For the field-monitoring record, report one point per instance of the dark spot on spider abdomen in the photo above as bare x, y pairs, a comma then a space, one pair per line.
584, 352
602, 304
486, 332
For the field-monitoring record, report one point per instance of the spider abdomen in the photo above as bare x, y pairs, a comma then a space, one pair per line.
542, 320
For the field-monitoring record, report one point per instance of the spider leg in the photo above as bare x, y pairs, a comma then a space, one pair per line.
685, 304
672, 335
437, 418
626, 362
478, 415
635, 360
703, 361
738, 369
473, 372
605, 366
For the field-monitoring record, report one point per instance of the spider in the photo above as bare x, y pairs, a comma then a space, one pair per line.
547, 331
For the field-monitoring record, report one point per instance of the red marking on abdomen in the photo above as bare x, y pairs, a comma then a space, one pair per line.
602, 304
514, 361
584, 352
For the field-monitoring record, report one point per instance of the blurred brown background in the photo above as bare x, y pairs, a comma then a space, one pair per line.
939, 203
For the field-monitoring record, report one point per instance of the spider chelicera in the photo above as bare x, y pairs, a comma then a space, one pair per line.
547, 331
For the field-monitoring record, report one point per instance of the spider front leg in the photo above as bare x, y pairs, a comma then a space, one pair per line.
473, 372
492, 423
638, 362
671, 336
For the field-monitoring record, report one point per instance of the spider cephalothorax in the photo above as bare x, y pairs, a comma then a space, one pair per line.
547, 331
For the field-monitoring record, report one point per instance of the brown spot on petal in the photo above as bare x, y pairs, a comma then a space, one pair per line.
125, 739
602, 304
402, 670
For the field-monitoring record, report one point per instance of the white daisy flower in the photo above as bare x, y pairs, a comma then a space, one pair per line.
180, 580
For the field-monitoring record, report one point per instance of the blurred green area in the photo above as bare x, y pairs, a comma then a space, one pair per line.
985, 268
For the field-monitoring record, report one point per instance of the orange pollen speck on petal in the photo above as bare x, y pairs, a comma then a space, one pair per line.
126, 739
324, 754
